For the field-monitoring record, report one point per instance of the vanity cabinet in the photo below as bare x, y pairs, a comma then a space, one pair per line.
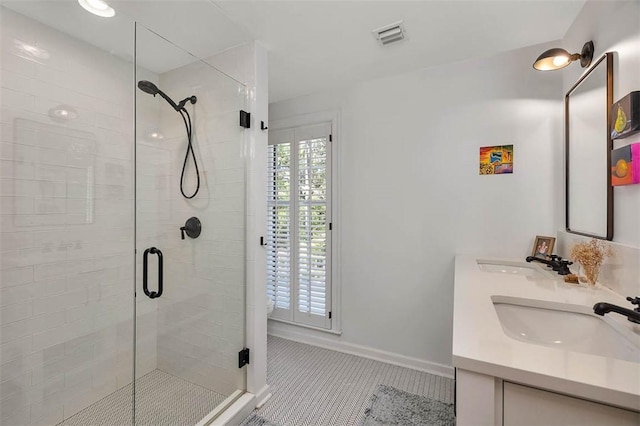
490, 401
504, 380
523, 405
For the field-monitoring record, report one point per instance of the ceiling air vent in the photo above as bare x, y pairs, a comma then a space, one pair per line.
388, 34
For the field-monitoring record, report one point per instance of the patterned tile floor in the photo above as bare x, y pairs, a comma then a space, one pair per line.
163, 400
315, 386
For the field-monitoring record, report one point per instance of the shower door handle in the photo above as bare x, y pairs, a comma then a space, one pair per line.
145, 287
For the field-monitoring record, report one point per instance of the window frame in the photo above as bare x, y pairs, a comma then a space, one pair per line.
333, 184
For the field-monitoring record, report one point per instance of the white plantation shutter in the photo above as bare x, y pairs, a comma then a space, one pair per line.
299, 241
279, 229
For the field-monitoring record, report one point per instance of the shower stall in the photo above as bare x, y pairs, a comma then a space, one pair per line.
123, 224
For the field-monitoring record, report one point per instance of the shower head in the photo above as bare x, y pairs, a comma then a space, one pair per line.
152, 89
148, 87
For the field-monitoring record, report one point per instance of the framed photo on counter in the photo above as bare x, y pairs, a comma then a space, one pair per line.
543, 247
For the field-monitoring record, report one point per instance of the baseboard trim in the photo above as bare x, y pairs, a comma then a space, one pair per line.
236, 413
263, 396
365, 352
217, 412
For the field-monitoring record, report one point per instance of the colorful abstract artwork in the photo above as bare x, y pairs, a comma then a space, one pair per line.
625, 116
496, 160
625, 165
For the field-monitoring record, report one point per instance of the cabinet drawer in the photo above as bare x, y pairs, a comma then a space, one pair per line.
523, 405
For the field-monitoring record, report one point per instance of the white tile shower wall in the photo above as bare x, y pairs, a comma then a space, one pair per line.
248, 63
201, 313
65, 223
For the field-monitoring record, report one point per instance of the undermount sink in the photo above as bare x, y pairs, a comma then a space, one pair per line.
569, 327
510, 268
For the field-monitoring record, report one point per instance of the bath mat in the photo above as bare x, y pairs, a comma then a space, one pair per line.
391, 406
254, 420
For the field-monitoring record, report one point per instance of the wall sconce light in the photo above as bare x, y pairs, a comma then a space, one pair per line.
554, 59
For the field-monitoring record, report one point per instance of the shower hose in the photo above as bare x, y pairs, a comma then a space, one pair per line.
187, 124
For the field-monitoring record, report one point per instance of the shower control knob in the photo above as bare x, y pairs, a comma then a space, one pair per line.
192, 228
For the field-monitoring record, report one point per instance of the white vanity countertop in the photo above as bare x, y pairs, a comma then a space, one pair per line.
480, 344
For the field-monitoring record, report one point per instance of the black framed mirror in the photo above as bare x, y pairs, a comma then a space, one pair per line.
588, 145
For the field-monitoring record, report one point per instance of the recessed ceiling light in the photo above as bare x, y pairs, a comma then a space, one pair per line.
97, 7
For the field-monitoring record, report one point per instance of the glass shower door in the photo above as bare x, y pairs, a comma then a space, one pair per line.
190, 235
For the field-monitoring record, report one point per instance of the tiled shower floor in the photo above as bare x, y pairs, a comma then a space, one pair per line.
162, 399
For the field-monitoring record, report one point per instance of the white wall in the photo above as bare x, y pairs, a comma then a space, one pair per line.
622, 38
594, 22
66, 224
411, 196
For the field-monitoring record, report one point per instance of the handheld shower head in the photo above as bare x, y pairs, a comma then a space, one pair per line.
148, 87
152, 89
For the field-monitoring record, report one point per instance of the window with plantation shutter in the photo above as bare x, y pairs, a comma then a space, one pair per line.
299, 218
279, 224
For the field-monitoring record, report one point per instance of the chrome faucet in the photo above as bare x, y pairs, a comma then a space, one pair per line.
556, 263
632, 315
